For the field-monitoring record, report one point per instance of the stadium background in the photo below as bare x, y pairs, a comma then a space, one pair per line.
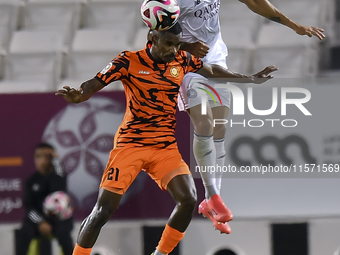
46, 44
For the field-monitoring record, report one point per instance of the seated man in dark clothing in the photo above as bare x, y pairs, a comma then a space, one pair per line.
47, 179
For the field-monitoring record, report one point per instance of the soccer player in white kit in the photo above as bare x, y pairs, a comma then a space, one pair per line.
201, 33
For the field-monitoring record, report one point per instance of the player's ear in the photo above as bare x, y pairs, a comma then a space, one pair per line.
154, 39
155, 35
149, 37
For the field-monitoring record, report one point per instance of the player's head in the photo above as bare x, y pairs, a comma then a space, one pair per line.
43, 156
165, 44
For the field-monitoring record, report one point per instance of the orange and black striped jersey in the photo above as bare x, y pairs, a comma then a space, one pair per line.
151, 91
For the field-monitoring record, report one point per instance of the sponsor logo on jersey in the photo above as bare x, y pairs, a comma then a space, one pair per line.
208, 11
174, 71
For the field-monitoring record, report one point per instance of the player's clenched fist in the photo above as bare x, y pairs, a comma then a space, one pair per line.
198, 49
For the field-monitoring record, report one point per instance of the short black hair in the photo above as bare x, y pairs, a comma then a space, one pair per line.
44, 145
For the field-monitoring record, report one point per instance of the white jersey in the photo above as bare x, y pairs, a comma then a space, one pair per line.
199, 21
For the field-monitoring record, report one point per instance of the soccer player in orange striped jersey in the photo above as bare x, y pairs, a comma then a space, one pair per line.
146, 138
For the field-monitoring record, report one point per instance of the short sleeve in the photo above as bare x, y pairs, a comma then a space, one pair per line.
117, 69
193, 64
185, 6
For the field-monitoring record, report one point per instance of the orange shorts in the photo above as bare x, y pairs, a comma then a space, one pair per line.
125, 164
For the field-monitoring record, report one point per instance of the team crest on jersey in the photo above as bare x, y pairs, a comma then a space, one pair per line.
174, 71
107, 68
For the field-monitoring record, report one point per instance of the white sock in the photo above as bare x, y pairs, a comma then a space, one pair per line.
205, 155
220, 160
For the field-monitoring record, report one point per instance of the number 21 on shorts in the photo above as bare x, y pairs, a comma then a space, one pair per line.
113, 173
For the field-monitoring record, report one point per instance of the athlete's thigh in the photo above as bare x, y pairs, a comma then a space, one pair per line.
196, 115
222, 97
122, 168
220, 112
190, 93
182, 186
165, 164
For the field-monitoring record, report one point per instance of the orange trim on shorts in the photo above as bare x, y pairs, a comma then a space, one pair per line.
168, 177
114, 190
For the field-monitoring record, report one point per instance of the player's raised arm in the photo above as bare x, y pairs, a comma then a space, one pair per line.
85, 91
216, 71
267, 10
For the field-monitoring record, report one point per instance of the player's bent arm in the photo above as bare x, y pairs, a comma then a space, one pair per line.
198, 49
218, 72
215, 71
90, 87
267, 10
85, 91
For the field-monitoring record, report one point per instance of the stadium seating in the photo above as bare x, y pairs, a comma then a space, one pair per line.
296, 56
318, 13
36, 41
33, 57
234, 13
92, 50
11, 1
62, 17
109, 14
315, 12
240, 48
8, 22
252, 41
140, 38
59, 1
2, 64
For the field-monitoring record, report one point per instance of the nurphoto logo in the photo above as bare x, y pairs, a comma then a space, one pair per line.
238, 106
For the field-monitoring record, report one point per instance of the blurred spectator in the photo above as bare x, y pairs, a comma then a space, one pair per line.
47, 178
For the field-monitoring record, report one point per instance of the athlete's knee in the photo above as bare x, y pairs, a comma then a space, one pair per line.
220, 130
103, 214
188, 200
220, 121
203, 126
99, 216
106, 205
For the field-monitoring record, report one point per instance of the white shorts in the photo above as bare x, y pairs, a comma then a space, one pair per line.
191, 91
195, 88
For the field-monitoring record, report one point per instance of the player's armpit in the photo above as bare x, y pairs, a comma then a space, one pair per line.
206, 70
